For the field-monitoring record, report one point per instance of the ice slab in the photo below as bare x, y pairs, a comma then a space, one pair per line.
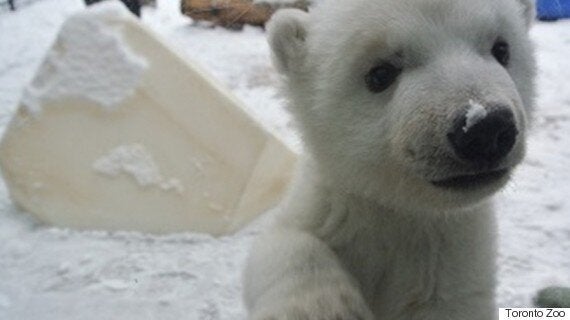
119, 132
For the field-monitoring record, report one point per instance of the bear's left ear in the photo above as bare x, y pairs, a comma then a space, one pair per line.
287, 31
528, 10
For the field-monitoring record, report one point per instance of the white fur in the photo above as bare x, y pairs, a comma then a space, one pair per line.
364, 234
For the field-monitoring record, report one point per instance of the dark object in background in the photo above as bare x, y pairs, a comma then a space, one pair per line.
134, 6
234, 14
10, 4
553, 297
551, 10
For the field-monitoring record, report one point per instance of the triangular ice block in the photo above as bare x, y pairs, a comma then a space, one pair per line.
118, 132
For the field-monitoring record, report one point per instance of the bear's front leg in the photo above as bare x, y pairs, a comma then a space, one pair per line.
291, 274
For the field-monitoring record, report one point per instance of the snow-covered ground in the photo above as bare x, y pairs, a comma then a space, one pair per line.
50, 273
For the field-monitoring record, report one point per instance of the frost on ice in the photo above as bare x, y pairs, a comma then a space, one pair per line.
89, 60
476, 113
136, 161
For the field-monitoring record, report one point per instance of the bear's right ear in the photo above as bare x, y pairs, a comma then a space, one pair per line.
287, 31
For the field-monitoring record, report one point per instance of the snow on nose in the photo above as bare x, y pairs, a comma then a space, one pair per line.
475, 113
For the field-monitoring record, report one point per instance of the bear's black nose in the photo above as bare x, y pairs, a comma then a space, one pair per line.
483, 137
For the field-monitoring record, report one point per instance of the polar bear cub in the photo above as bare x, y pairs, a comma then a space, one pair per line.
413, 112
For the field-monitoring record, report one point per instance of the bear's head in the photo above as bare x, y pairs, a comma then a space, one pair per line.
413, 103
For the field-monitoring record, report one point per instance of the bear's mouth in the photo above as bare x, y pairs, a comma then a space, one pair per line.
471, 180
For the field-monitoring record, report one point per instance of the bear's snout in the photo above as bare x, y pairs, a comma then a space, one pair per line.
483, 137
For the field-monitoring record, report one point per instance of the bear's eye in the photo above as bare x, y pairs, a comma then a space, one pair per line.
381, 77
501, 52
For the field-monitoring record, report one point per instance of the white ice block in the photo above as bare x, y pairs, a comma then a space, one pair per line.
118, 132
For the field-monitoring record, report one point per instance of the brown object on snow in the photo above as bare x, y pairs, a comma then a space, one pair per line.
235, 13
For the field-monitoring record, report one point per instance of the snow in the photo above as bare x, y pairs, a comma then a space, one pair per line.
475, 113
136, 161
51, 273
88, 51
